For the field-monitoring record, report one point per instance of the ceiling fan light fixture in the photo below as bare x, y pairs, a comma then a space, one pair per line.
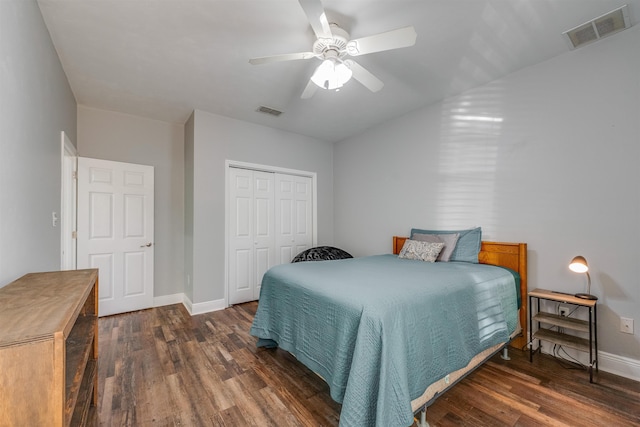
333, 44
332, 74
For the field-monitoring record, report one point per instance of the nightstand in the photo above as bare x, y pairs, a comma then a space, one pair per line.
554, 321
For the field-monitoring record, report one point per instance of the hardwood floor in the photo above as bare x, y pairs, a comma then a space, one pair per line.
163, 367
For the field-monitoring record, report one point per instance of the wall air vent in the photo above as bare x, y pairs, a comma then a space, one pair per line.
268, 110
602, 26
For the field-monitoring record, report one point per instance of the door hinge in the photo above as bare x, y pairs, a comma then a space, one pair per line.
74, 234
74, 174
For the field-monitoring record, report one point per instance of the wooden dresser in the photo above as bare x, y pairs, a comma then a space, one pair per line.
49, 349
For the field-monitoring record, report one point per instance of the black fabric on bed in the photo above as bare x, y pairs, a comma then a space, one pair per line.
321, 253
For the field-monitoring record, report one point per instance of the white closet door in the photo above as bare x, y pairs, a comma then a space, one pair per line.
303, 213
264, 228
251, 234
294, 216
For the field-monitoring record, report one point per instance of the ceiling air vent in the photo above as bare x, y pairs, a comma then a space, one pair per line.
268, 110
600, 27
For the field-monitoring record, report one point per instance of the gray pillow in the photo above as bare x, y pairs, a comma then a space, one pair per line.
467, 246
449, 241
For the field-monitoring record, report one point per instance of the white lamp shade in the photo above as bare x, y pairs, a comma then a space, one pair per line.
331, 74
579, 264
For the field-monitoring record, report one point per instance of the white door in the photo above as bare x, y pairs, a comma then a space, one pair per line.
294, 216
251, 232
115, 232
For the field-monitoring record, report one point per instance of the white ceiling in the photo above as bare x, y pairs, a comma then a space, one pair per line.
162, 59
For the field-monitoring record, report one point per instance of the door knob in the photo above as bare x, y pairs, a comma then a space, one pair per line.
148, 245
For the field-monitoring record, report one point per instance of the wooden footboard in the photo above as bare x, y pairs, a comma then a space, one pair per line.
510, 255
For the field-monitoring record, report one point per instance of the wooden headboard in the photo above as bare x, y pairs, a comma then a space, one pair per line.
510, 255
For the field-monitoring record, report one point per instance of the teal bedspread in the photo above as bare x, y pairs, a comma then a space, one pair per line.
380, 329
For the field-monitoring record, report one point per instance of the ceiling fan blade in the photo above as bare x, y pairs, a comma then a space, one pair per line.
317, 18
362, 75
280, 58
309, 90
394, 39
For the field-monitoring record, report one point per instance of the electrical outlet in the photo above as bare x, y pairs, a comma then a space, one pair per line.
626, 325
563, 310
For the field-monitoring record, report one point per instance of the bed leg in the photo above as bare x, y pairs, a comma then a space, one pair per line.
423, 418
505, 353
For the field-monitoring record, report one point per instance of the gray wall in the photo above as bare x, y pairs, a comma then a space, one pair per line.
560, 172
188, 206
125, 138
36, 104
217, 139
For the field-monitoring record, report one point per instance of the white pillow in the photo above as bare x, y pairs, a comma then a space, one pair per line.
423, 251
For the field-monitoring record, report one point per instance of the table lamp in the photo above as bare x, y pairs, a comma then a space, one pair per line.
579, 265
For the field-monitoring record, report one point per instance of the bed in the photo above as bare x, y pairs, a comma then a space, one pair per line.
386, 343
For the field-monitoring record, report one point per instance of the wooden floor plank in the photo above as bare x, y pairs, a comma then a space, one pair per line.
163, 367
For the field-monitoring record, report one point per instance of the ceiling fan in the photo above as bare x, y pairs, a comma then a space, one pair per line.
332, 47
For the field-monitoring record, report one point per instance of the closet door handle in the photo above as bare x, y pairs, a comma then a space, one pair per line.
148, 245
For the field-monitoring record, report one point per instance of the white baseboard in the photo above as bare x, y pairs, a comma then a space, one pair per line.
619, 365
203, 307
193, 309
612, 363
